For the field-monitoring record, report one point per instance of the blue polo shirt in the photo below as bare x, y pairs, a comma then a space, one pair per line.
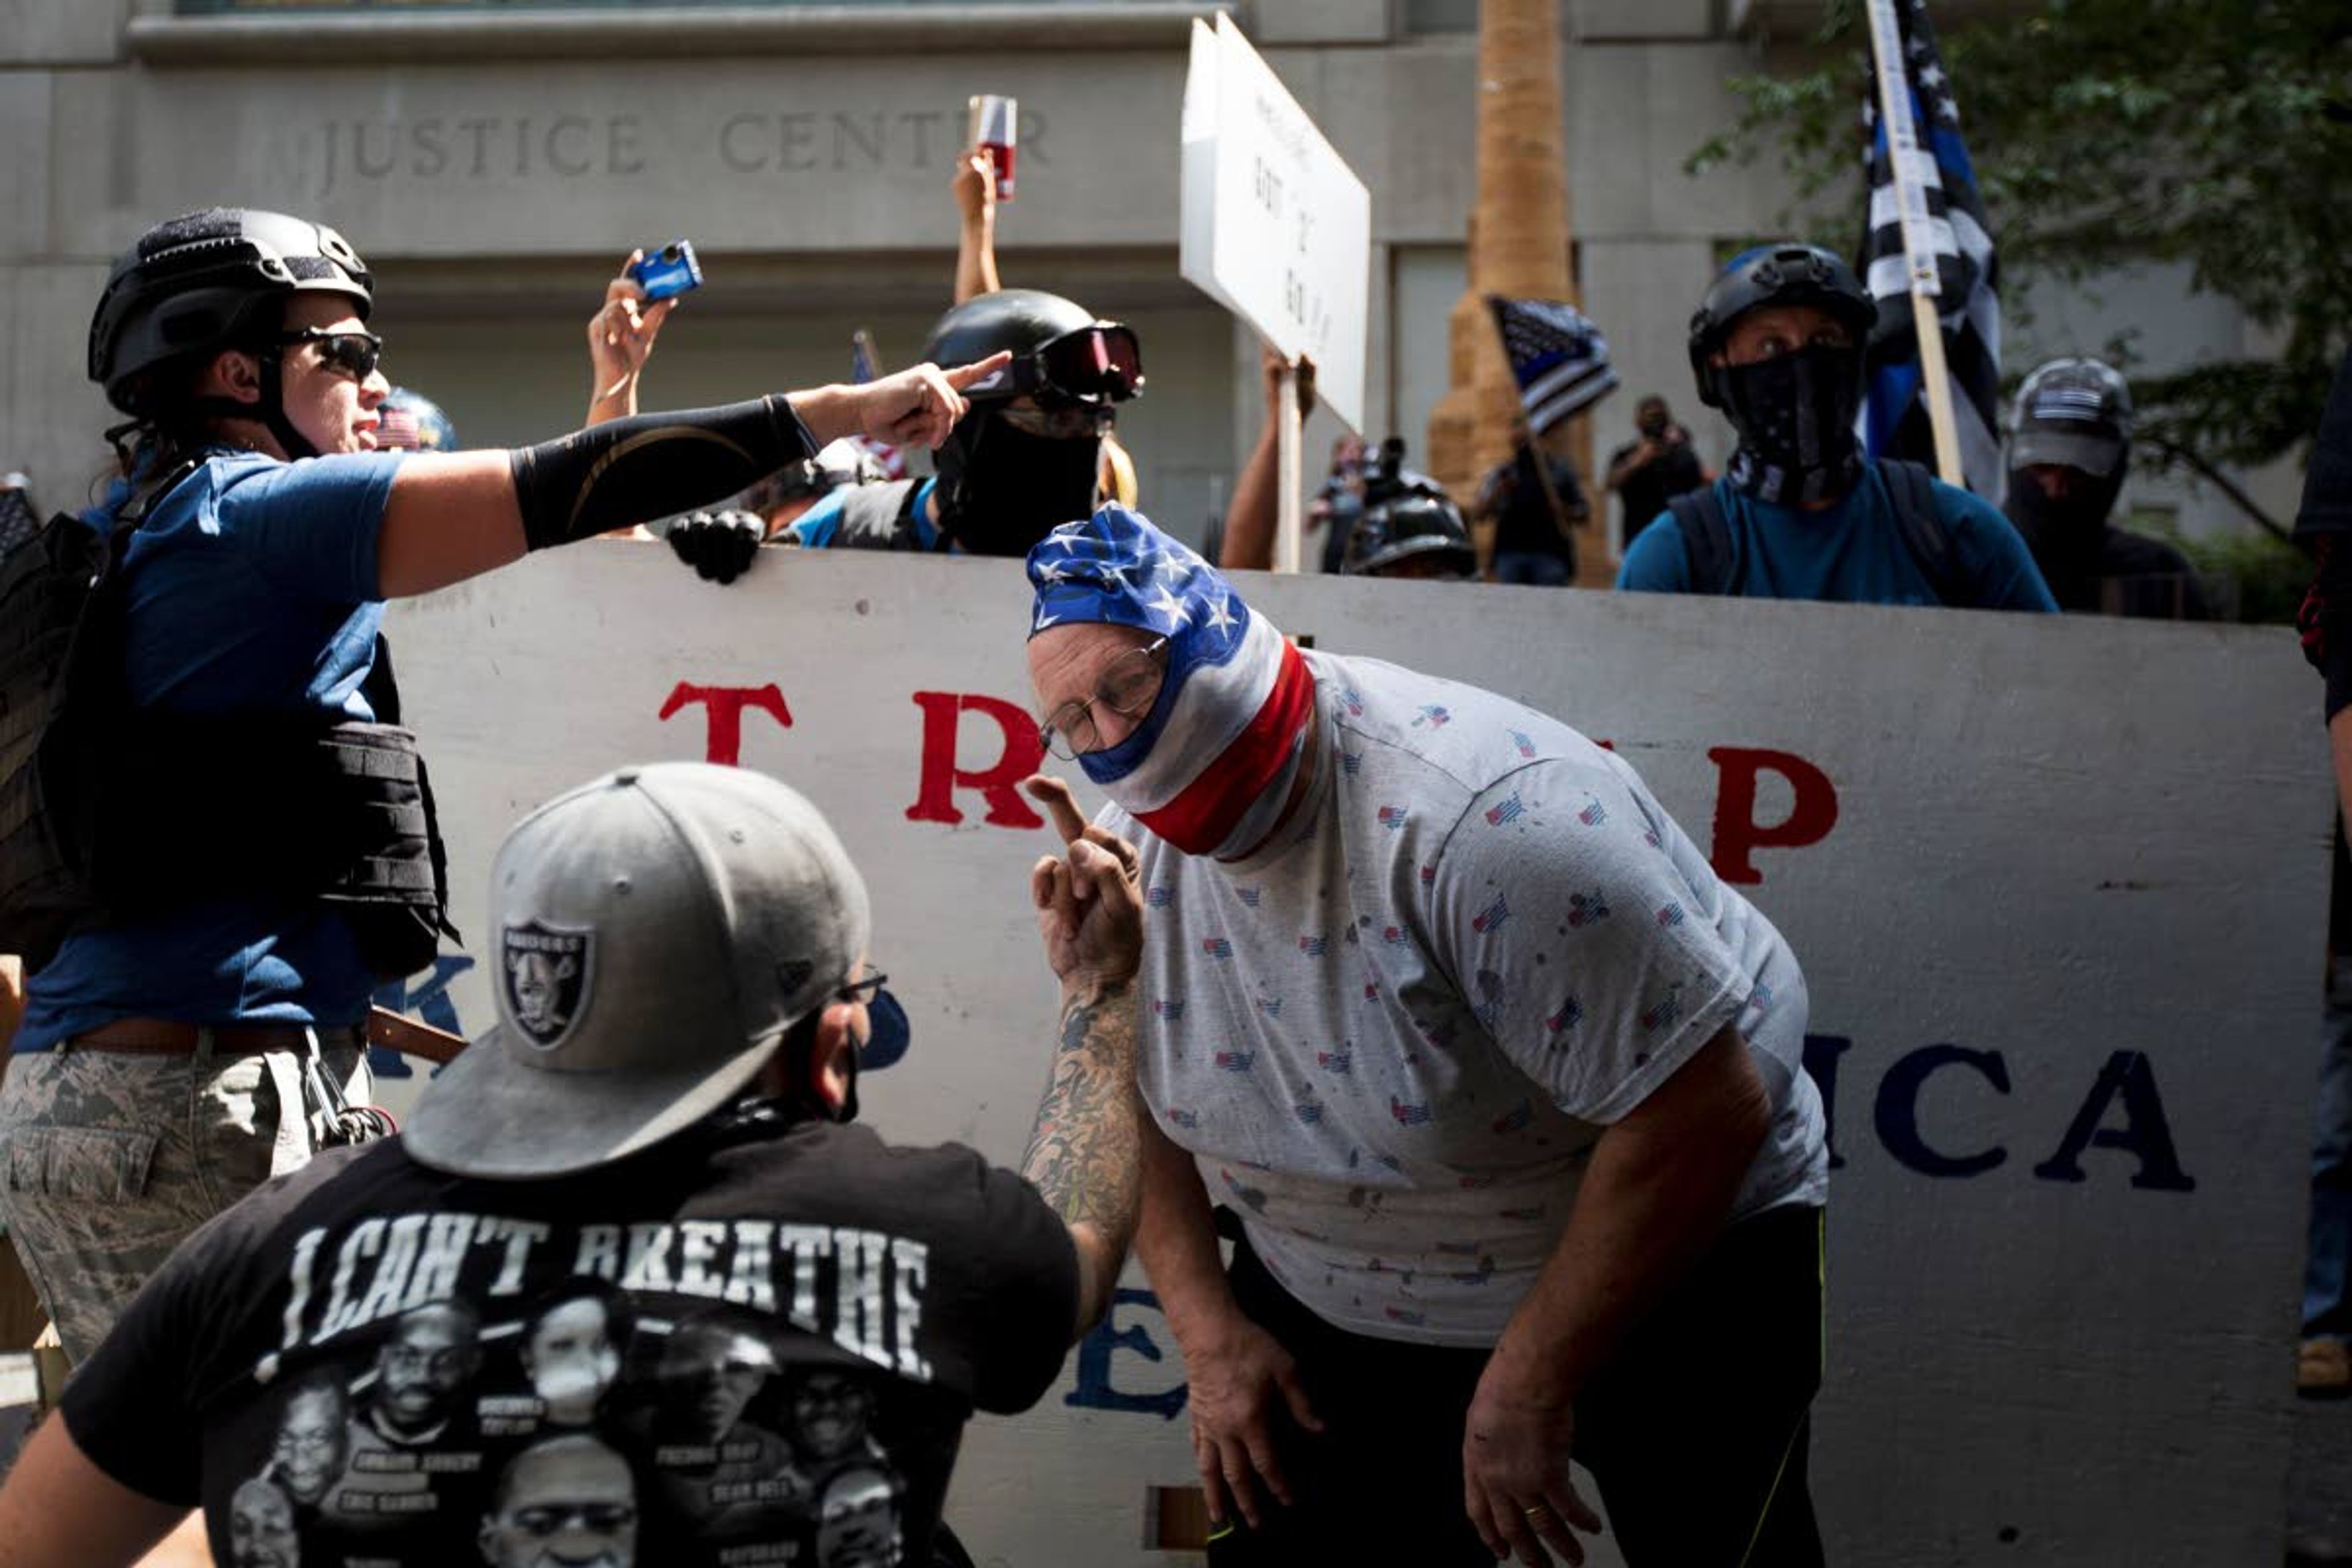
251, 593
1853, 552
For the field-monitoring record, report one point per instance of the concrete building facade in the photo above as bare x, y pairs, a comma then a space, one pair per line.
493, 164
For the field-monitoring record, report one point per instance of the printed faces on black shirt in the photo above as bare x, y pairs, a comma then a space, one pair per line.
754, 1351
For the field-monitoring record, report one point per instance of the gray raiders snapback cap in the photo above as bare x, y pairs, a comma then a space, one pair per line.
654, 934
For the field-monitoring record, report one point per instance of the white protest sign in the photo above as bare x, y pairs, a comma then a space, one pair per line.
1275, 226
2058, 887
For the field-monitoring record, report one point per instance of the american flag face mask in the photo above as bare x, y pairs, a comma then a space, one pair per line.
1209, 768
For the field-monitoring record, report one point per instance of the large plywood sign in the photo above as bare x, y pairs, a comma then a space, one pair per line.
2057, 886
1274, 225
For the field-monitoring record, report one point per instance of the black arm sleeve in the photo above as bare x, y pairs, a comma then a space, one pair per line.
620, 473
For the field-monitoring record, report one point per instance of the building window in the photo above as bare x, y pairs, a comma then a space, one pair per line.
1441, 15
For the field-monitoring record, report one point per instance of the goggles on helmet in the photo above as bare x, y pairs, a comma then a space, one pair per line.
1094, 364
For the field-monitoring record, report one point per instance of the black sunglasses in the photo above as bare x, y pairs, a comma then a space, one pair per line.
356, 355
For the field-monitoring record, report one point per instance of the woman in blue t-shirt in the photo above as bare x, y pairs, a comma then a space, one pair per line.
179, 1047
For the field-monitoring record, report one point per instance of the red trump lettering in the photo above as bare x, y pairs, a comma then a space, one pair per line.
1812, 810
723, 706
999, 784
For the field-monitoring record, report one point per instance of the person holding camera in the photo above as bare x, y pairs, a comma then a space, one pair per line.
1655, 467
620, 339
256, 843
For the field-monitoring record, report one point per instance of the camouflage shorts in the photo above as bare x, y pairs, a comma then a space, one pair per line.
108, 1160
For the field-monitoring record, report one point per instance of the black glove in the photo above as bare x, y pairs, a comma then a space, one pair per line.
717, 544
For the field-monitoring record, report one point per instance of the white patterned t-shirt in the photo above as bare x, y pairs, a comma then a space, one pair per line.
1392, 1039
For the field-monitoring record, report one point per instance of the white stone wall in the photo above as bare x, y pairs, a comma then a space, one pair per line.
491, 166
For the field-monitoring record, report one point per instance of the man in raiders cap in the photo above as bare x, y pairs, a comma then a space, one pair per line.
669, 1124
1498, 1086
2069, 452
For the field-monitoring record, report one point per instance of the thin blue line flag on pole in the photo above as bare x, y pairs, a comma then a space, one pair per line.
1558, 356
1895, 417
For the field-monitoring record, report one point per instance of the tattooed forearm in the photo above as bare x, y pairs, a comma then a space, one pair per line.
1085, 1153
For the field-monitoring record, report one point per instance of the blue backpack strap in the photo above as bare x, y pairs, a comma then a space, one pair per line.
1925, 532
1706, 540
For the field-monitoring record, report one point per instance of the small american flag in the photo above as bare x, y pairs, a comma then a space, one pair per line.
1170, 1008
1217, 947
863, 368
1509, 811
1524, 741
1672, 915
1341, 1061
1408, 1115
1518, 1119
1490, 918
1235, 1061
1558, 356
1392, 817
1571, 1013
1314, 946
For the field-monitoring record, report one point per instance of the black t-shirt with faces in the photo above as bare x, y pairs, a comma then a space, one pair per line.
753, 1345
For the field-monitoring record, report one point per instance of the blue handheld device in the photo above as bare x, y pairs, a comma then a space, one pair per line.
670, 271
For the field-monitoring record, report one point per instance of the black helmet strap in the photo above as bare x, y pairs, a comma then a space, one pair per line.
268, 411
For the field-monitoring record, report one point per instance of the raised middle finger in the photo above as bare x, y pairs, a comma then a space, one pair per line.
1060, 802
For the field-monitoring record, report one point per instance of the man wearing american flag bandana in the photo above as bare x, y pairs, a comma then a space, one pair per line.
1495, 1086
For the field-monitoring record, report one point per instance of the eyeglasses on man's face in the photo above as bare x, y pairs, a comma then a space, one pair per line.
1128, 686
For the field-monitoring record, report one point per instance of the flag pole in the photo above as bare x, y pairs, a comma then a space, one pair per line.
1287, 523
1902, 157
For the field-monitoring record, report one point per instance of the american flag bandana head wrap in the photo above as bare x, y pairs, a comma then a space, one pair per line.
1209, 768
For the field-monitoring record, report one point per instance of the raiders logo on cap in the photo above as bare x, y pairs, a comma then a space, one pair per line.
546, 971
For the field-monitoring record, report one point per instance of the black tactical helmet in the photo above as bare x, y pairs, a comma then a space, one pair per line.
1407, 517
1789, 274
1061, 353
208, 281
2076, 412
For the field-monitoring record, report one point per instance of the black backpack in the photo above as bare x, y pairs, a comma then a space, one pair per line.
60, 632
1706, 534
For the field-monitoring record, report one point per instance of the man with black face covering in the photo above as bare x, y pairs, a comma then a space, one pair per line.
2069, 450
1799, 514
1028, 454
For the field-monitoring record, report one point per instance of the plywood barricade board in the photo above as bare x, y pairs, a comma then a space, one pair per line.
2058, 888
